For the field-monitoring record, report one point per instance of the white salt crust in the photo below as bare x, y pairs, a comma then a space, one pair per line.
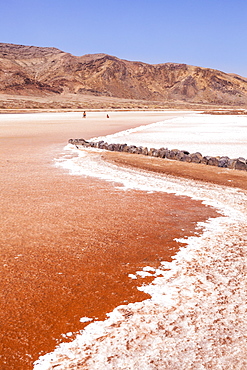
86, 319
210, 135
196, 317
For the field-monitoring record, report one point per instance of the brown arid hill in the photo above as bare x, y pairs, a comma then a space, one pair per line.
48, 76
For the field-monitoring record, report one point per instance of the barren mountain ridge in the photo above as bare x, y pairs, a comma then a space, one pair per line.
43, 71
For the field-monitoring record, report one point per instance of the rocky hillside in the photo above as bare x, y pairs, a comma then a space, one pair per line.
36, 71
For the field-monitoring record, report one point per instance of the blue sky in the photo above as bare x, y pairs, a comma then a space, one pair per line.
206, 33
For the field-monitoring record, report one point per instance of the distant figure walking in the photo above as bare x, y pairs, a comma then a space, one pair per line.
107, 116
84, 114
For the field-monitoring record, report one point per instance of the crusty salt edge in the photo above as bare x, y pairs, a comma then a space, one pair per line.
196, 316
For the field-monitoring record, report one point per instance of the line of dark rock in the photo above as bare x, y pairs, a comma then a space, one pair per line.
175, 154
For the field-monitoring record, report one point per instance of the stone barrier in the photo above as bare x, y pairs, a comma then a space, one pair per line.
174, 154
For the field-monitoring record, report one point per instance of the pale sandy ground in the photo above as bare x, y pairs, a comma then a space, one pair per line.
69, 243
58, 127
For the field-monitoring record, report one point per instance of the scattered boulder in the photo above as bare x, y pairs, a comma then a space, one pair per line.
231, 164
161, 153
99, 144
102, 145
223, 162
111, 147
196, 157
132, 149
115, 147
126, 149
213, 161
205, 159
122, 147
187, 158
174, 154
181, 156
240, 164
151, 150
145, 151
155, 153
139, 150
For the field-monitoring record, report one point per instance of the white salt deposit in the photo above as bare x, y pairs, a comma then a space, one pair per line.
86, 319
196, 317
210, 135
143, 274
67, 335
149, 268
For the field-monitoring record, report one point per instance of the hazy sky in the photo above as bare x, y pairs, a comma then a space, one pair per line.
206, 33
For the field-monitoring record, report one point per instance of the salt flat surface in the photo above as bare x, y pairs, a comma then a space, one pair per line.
196, 317
210, 135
